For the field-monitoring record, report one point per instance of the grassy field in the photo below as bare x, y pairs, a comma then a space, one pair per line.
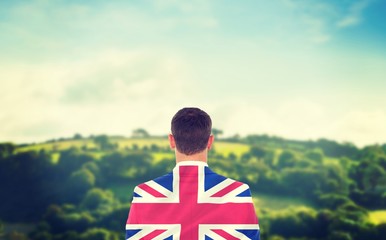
224, 148
58, 146
141, 142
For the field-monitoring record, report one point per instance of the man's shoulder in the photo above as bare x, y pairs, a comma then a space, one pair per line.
221, 185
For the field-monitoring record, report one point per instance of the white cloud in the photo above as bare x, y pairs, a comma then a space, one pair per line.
300, 119
348, 21
354, 15
240, 117
319, 21
361, 127
132, 88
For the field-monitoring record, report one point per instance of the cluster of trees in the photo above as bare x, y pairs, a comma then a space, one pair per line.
69, 198
342, 181
84, 194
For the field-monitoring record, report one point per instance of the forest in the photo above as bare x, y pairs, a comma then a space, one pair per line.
80, 188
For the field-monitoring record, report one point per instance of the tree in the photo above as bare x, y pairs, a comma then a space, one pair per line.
374, 176
339, 236
79, 183
216, 132
98, 234
257, 152
42, 235
6, 149
120, 166
140, 133
35, 170
333, 201
295, 223
16, 236
72, 160
103, 142
286, 159
1, 228
97, 197
77, 136
336, 178
315, 155
302, 181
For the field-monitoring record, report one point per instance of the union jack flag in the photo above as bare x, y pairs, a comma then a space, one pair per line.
192, 203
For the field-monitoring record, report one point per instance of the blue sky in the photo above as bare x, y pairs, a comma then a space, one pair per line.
296, 69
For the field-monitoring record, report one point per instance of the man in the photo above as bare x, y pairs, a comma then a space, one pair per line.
192, 202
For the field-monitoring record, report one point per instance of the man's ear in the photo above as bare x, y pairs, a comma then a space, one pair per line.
172, 142
210, 141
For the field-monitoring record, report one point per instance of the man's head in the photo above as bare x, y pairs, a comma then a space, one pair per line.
191, 129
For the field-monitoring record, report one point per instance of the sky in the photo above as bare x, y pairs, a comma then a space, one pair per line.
296, 69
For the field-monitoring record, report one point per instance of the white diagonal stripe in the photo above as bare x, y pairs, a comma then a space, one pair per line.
219, 187
237, 191
142, 193
206, 229
171, 229
158, 188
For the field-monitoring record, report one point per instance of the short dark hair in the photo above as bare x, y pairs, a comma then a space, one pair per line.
191, 128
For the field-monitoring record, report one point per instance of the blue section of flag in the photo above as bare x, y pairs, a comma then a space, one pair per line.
131, 232
252, 234
246, 193
166, 181
169, 238
212, 179
137, 195
208, 238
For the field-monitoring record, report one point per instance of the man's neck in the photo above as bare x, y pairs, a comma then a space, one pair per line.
201, 157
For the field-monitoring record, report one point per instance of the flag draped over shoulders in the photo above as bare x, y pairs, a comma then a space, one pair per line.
191, 203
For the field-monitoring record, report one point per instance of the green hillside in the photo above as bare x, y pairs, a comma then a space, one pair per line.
82, 187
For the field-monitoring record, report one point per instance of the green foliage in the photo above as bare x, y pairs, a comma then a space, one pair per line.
1, 228
85, 194
42, 235
140, 133
302, 181
315, 155
216, 132
98, 234
287, 159
71, 160
97, 198
60, 220
333, 201
16, 236
257, 152
80, 181
374, 175
295, 223
334, 149
104, 143
128, 165
31, 169
338, 235
6, 149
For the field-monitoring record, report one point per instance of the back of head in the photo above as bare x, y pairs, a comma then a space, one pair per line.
191, 128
